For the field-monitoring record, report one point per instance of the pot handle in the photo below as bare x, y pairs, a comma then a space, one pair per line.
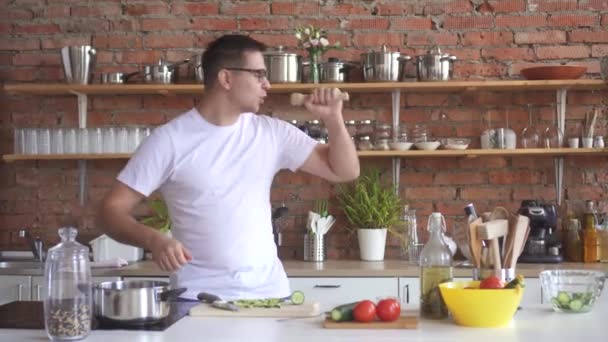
450, 58
129, 75
175, 65
170, 294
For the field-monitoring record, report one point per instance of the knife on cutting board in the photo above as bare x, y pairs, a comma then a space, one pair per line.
216, 301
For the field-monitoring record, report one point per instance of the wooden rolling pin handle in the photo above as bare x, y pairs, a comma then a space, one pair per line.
297, 99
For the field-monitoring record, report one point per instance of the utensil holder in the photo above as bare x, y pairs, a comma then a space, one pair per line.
314, 247
506, 274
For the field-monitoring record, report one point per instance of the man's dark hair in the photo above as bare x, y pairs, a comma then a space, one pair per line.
227, 51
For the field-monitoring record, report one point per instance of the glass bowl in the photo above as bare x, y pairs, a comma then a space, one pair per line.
455, 143
572, 290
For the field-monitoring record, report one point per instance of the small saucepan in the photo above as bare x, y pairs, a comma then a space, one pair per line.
162, 72
133, 302
116, 77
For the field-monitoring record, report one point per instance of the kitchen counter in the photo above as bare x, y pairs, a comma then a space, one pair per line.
536, 323
329, 268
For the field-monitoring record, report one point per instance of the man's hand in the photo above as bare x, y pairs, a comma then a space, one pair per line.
325, 103
169, 254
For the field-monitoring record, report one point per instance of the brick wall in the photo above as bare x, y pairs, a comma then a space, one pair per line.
492, 40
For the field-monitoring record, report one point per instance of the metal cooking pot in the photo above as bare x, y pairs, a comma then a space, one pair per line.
434, 66
383, 65
134, 301
162, 72
334, 71
116, 77
198, 68
282, 66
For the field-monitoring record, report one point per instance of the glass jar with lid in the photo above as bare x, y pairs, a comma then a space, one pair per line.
351, 127
364, 143
314, 129
365, 127
382, 131
67, 276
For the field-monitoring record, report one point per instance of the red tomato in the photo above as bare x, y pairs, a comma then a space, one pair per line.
388, 309
365, 311
491, 282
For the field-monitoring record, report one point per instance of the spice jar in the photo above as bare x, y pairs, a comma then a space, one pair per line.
382, 144
365, 127
364, 143
382, 131
68, 306
314, 129
351, 127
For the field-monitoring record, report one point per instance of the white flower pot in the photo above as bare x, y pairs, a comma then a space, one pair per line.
371, 244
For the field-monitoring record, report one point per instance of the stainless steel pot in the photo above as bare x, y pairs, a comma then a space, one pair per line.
134, 301
434, 66
198, 68
334, 71
383, 65
282, 66
162, 72
116, 77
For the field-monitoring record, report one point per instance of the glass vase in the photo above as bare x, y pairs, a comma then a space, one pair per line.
313, 76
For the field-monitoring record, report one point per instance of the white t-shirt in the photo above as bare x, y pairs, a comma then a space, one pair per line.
216, 183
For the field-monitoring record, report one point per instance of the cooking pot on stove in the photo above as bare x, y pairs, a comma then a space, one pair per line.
133, 302
383, 65
435, 65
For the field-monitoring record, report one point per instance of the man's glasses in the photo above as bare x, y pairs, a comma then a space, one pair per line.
261, 74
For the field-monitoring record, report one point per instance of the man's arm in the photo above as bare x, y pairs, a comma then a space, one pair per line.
117, 222
338, 160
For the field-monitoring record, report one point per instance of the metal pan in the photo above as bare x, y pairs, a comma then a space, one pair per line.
133, 302
116, 77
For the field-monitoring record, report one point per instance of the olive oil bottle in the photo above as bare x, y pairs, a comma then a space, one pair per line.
435, 268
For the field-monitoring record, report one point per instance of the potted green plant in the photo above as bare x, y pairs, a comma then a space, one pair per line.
160, 219
372, 207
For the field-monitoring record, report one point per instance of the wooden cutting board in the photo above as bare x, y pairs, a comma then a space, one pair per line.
409, 322
308, 309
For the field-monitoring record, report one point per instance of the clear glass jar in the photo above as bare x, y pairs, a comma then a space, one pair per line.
365, 127
435, 268
382, 131
351, 127
364, 143
314, 129
68, 306
382, 144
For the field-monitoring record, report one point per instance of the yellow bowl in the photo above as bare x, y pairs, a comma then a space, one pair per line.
480, 308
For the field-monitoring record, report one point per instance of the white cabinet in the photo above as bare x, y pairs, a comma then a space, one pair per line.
330, 292
38, 287
14, 288
532, 292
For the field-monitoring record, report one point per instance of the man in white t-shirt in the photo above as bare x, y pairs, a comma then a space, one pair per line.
214, 167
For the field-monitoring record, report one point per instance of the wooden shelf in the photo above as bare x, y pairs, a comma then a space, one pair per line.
9, 158
418, 87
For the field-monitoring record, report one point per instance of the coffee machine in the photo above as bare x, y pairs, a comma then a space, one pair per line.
543, 244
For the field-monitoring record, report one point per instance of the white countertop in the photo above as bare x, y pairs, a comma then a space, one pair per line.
535, 323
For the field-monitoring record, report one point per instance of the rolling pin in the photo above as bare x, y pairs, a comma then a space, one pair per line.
297, 99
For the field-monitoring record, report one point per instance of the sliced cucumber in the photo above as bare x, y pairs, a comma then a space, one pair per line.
563, 297
575, 305
297, 297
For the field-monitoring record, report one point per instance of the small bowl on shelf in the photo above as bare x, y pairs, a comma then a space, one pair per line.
455, 143
427, 145
400, 145
553, 72
572, 291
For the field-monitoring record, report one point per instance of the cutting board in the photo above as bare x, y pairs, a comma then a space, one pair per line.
308, 309
409, 322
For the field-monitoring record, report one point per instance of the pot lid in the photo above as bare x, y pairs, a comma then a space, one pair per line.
382, 50
278, 51
435, 51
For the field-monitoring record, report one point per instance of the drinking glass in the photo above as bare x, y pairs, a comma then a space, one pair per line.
529, 135
19, 141
134, 139
70, 140
109, 140
30, 145
553, 137
83, 140
95, 140
122, 136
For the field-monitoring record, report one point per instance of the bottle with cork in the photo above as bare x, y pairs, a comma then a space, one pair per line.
591, 238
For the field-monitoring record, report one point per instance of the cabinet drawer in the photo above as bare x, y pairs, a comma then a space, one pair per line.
331, 292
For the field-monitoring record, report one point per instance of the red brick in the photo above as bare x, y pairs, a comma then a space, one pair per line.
57, 11
248, 8
543, 193
468, 22
195, 9
287, 40
430, 193
59, 104
417, 178
599, 50
587, 36
376, 40
16, 14
58, 43
515, 177
431, 38
5, 28
366, 24
509, 54
452, 178
490, 193
90, 25
411, 24
395, 9
561, 52
37, 28
291, 8
126, 25
464, 54
116, 102
14, 222
19, 74
214, 24
148, 8
168, 41
164, 24
139, 57
508, 6
36, 59
544, 37
140, 118
117, 41
574, 20
325, 23
164, 102
592, 5
94, 118
96, 11
521, 21
19, 44
261, 24
448, 7
344, 10
487, 38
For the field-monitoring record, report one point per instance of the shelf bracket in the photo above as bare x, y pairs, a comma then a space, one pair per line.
560, 116
82, 164
396, 100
